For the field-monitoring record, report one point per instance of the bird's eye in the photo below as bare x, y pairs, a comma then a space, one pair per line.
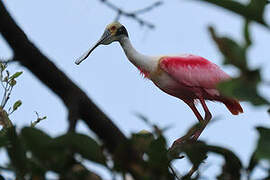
113, 28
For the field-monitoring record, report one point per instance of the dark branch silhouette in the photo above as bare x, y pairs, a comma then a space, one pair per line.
134, 14
77, 102
79, 105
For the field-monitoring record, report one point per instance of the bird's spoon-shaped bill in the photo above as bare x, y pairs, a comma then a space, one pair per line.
106, 35
86, 54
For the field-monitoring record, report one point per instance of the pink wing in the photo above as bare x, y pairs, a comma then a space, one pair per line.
194, 71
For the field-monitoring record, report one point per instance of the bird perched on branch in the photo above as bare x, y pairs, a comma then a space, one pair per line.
187, 77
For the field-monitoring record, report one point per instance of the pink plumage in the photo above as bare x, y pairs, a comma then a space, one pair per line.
193, 71
200, 77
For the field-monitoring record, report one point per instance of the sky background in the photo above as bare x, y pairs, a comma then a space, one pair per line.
63, 30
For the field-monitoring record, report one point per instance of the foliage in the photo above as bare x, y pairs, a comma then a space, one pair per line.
244, 87
254, 10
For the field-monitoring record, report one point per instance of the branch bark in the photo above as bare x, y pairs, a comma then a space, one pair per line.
77, 102
79, 105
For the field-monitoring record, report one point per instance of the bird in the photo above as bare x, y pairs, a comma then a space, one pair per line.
188, 77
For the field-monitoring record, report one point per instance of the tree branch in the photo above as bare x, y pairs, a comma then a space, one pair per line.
134, 14
76, 101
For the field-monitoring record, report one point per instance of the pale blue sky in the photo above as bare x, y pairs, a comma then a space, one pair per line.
63, 30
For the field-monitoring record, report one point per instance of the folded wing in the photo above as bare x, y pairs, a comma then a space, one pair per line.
194, 71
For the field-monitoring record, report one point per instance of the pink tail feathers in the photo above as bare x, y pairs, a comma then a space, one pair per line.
233, 106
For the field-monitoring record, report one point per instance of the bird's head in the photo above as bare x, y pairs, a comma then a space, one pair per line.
113, 32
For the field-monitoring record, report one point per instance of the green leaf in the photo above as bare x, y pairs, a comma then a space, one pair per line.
242, 89
3, 138
44, 154
253, 162
263, 146
248, 41
16, 152
257, 9
3, 66
157, 153
253, 11
55, 153
142, 141
5, 79
16, 105
233, 52
197, 153
83, 145
17, 74
232, 167
12, 82
37, 142
36, 136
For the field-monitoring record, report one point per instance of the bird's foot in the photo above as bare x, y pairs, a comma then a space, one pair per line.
178, 145
183, 140
192, 135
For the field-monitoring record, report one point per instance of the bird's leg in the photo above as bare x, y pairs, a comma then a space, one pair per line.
207, 118
183, 139
194, 109
192, 106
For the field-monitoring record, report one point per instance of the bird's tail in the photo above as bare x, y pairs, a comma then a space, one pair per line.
233, 106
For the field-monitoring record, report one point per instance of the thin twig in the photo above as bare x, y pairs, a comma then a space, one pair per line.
174, 173
6, 61
5, 97
8, 88
134, 14
190, 173
33, 124
149, 8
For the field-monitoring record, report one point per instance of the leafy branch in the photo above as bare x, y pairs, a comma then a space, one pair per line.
244, 87
33, 124
253, 11
7, 82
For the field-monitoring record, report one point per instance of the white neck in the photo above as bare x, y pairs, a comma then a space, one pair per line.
143, 62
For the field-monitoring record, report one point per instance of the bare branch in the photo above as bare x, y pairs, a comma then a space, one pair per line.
72, 96
149, 8
175, 174
29, 56
33, 124
134, 14
7, 60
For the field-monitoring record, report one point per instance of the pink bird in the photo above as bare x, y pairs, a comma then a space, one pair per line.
187, 77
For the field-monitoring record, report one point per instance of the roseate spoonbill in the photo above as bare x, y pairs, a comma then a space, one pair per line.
187, 77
